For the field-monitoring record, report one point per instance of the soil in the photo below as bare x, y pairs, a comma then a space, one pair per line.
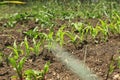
98, 56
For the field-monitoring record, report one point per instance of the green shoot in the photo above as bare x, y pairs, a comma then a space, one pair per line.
18, 66
60, 35
80, 28
16, 50
94, 32
118, 62
27, 47
104, 29
32, 33
73, 38
36, 47
1, 58
37, 75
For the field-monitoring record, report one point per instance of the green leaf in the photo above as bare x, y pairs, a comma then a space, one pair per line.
46, 67
15, 51
118, 61
21, 63
13, 62
30, 75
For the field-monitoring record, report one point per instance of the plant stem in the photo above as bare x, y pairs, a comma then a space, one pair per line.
108, 72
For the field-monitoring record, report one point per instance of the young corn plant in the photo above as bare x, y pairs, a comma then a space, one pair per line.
12, 20
50, 39
21, 16
32, 33
87, 31
94, 32
115, 24
37, 75
73, 38
118, 60
104, 29
10, 23
18, 66
28, 49
16, 50
46, 38
36, 47
44, 18
60, 35
117, 28
111, 67
80, 28
14, 60
1, 58
112, 29
81, 36
43, 37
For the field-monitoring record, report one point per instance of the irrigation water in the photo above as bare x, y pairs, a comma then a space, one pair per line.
72, 63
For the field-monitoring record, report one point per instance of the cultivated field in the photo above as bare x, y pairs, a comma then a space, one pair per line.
88, 31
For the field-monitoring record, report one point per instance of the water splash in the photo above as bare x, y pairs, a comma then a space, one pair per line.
72, 63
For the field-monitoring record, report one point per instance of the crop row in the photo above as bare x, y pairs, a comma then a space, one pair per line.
17, 58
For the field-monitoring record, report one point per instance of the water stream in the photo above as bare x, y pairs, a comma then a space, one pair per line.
72, 63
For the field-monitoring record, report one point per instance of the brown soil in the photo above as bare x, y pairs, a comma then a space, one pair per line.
98, 56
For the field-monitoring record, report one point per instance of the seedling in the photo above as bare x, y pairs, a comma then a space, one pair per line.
117, 25
80, 28
32, 33
43, 18
1, 58
16, 50
18, 66
12, 20
37, 75
118, 61
94, 32
81, 35
10, 23
14, 60
73, 38
36, 47
110, 67
21, 17
28, 49
87, 31
60, 35
50, 38
104, 29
